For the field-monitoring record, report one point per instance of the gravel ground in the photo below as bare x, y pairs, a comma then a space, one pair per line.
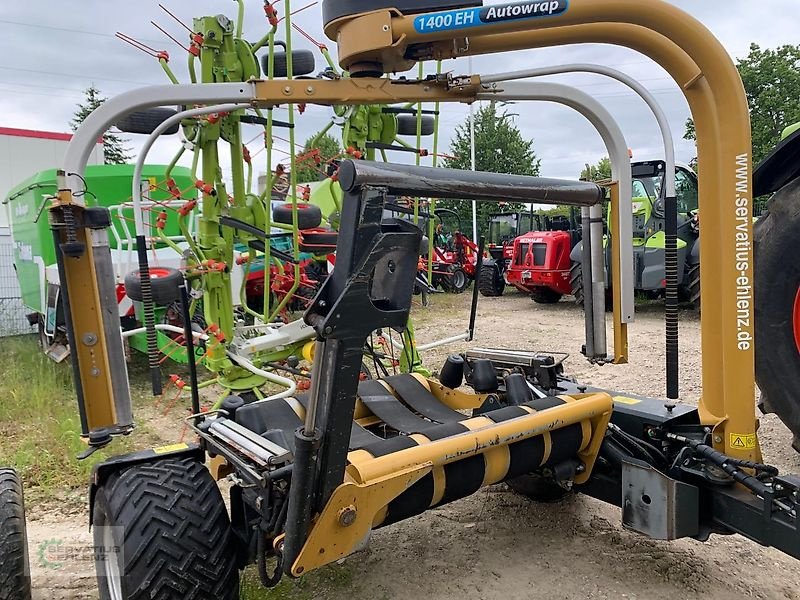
496, 544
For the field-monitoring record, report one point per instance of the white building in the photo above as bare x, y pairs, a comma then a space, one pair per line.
23, 153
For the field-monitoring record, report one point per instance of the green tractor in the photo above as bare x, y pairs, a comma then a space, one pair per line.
648, 234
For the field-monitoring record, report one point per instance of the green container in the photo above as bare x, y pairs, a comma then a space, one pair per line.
109, 186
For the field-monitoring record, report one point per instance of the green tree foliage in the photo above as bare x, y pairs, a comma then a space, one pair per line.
772, 83
114, 150
307, 167
499, 148
602, 170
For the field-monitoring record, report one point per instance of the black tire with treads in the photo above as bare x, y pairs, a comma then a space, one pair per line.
15, 580
407, 125
576, 282
693, 285
490, 281
303, 63
545, 295
164, 281
309, 216
146, 121
455, 280
776, 285
173, 529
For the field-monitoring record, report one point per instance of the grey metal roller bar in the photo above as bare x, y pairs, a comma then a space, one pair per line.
407, 180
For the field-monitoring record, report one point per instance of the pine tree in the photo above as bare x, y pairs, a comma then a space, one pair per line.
114, 150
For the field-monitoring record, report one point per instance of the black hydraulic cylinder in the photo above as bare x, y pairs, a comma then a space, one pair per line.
301, 499
671, 301
189, 337
407, 180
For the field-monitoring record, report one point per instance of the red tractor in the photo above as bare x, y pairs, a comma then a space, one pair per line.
455, 256
537, 262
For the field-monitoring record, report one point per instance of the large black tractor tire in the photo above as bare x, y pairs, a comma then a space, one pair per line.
576, 282
303, 63
777, 307
309, 216
545, 295
490, 281
171, 524
146, 121
692, 289
456, 280
164, 281
15, 575
537, 488
407, 125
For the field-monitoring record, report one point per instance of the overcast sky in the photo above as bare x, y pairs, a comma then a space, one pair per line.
51, 50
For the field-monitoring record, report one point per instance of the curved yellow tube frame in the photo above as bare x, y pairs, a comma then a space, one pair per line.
709, 80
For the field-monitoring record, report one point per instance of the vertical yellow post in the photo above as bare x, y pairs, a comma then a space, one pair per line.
620, 328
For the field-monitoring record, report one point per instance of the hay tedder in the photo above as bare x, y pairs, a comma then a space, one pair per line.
313, 474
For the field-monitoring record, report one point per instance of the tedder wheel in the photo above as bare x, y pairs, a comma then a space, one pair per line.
490, 281
319, 241
303, 63
172, 526
407, 125
146, 121
455, 280
165, 282
545, 295
537, 488
576, 282
309, 216
15, 578
777, 307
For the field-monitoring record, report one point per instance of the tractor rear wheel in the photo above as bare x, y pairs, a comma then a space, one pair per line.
15, 575
777, 307
170, 522
456, 280
576, 282
545, 295
490, 281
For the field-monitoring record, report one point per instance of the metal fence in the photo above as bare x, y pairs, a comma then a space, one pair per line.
12, 311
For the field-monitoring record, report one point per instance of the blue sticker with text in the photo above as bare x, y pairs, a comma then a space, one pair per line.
488, 15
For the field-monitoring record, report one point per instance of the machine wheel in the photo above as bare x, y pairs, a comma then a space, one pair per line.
490, 281
164, 281
309, 216
15, 579
319, 241
537, 488
693, 287
303, 63
777, 307
576, 282
407, 125
545, 295
455, 281
146, 121
171, 523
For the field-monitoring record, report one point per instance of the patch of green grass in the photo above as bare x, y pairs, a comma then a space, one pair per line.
39, 421
317, 584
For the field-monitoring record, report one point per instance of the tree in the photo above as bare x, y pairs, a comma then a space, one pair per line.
602, 170
499, 148
307, 166
114, 150
772, 83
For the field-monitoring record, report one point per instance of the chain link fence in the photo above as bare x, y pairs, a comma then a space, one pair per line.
12, 311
